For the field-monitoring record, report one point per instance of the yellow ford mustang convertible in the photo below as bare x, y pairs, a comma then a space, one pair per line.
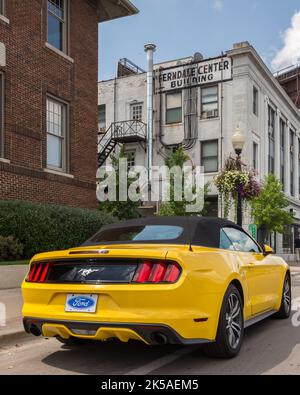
161, 281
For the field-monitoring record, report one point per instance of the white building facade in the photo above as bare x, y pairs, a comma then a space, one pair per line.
198, 103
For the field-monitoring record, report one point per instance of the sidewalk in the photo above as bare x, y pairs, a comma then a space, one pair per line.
12, 299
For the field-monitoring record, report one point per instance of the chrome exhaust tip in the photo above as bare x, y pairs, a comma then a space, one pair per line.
159, 339
35, 331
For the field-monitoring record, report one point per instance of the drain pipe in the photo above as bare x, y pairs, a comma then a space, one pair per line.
150, 49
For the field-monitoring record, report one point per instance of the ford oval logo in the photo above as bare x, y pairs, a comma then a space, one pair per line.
81, 303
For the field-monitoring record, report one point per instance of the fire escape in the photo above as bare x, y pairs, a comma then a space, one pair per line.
120, 133
289, 78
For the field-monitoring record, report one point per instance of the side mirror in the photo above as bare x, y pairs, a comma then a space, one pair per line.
268, 250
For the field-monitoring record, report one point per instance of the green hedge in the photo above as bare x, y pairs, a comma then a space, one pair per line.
43, 228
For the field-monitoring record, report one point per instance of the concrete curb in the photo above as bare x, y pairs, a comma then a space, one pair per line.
12, 335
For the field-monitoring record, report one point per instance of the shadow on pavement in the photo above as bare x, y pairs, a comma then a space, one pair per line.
266, 346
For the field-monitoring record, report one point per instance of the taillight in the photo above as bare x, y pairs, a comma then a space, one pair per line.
156, 272
38, 272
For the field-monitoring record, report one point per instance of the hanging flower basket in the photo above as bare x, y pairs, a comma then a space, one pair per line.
236, 179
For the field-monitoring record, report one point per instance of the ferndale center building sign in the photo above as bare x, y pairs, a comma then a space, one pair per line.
194, 74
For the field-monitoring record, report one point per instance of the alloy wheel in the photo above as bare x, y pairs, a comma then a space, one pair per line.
287, 295
234, 321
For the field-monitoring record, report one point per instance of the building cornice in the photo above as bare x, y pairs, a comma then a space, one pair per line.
251, 52
114, 9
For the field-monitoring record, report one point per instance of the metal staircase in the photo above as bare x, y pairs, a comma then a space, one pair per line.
120, 133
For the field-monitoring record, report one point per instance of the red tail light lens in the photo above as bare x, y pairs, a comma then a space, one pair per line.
155, 272
38, 272
143, 273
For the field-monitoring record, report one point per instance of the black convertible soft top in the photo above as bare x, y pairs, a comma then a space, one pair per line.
197, 231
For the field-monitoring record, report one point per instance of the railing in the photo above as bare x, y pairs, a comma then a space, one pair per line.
288, 72
120, 131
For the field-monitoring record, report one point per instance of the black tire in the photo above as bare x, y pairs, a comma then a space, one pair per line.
230, 329
73, 341
286, 300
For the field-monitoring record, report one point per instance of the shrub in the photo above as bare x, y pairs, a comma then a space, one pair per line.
10, 249
48, 228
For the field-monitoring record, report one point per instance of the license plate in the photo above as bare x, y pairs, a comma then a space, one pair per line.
81, 303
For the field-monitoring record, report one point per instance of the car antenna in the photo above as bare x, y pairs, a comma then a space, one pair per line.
190, 235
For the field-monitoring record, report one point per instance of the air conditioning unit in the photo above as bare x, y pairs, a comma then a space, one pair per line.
210, 114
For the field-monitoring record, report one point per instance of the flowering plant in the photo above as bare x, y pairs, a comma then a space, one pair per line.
236, 179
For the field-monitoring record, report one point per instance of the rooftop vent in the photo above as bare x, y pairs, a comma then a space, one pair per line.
198, 57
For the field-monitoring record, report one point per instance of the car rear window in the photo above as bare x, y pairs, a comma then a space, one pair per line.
145, 233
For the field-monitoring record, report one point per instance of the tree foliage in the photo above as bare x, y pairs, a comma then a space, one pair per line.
174, 207
269, 208
119, 209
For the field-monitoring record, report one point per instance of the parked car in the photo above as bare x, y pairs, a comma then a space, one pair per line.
177, 280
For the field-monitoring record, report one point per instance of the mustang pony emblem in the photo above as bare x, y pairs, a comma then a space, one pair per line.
103, 252
87, 272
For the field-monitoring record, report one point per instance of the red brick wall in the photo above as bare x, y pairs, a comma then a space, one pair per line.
32, 72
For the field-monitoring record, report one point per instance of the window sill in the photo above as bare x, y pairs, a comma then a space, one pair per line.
4, 19
2, 160
210, 174
58, 173
58, 52
209, 119
174, 124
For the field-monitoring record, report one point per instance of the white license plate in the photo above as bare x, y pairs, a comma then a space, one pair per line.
81, 303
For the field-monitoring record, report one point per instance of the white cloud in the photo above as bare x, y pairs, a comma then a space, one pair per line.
218, 5
289, 54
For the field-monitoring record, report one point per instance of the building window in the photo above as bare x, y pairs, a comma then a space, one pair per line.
1, 115
2, 7
174, 108
255, 156
255, 101
292, 153
57, 24
56, 134
209, 102
102, 118
282, 152
136, 112
211, 207
209, 156
271, 124
130, 155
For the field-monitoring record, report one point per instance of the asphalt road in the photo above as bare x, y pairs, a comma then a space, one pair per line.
271, 347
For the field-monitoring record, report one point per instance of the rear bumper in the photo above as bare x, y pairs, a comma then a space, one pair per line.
151, 334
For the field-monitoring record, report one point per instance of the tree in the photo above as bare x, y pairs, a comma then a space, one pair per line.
269, 208
119, 209
174, 207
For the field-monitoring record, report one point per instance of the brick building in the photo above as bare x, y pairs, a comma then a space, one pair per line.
48, 98
289, 78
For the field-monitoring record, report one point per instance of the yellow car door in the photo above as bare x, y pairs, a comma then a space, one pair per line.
261, 272
264, 279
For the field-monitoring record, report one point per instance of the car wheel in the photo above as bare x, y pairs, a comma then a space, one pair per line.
231, 327
73, 341
286, 305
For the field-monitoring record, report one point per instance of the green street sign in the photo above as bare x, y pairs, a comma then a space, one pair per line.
253, 231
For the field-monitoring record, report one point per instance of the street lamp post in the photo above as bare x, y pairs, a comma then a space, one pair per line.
238, 143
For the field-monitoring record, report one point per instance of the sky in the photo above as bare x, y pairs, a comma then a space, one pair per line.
180, 28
